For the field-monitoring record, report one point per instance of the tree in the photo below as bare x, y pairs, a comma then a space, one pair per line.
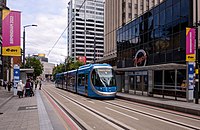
32, 62
66, 67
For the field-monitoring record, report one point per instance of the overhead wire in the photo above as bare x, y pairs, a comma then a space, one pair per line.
66, 28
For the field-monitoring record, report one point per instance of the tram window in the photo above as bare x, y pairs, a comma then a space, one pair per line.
81, 79
86, 80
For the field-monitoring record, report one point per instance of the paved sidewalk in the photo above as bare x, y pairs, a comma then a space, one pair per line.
5, 96
27, 113
181, 106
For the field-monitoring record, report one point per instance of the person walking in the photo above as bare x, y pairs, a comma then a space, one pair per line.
31, 92
4, 84
20, 89
9, 85
36, 83
28, 88
40, 83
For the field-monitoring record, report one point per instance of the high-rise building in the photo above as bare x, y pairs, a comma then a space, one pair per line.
86, 29
117, 14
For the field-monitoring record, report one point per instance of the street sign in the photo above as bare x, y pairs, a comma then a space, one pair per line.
16, 77
191, 75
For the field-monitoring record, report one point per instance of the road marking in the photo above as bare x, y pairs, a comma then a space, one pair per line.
156, 117
121, 113
91, 102
108, 117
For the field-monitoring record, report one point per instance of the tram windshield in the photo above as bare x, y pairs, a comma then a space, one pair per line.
103, 77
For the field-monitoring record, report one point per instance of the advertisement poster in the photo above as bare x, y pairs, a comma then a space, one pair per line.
11, 33
190, 44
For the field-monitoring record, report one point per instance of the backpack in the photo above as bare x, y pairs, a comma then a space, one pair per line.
28, 85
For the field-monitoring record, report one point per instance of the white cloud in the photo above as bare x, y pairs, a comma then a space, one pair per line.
51, 18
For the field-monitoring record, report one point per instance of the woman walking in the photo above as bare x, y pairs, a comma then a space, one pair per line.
20, 89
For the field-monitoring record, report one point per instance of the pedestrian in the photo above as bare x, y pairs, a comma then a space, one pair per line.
31, 92
9, 85
40, 83
28, 88
4, 84
20, 89
36, 83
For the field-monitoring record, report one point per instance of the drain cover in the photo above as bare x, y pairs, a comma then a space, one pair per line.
27, 107
1, 113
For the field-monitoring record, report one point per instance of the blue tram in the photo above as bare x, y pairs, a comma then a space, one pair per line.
92, 80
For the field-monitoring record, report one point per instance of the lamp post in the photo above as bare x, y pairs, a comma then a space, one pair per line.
24, 41
196, 61
94, 48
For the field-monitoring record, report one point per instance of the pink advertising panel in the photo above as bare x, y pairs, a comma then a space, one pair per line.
190, 40
11, 21
190, 44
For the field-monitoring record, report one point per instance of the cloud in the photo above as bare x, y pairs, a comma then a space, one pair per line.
51, 18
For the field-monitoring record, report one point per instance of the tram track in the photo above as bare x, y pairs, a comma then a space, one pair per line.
119, 124
82, 127
154, 116
192, 117
116, 123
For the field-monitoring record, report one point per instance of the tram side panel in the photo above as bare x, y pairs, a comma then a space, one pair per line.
82, 82
71, 81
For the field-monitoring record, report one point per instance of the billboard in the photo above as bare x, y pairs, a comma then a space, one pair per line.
82, 59
11, 33
190, 44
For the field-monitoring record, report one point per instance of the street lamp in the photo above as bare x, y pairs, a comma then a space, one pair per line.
196, 61
24, 42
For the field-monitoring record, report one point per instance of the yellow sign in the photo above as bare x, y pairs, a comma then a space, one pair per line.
190, 57
11, 51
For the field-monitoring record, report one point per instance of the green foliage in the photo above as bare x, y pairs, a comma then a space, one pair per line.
66, 67
32, 62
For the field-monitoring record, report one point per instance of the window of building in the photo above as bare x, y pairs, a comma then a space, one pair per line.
169, 15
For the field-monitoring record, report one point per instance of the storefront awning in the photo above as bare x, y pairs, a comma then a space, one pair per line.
27, 71
171, 66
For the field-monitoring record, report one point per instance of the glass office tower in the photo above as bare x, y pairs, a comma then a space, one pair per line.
151, 49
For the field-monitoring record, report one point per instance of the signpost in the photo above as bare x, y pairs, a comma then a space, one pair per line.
190, 59
16, 78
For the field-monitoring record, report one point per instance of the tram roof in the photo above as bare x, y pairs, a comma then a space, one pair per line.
169, 66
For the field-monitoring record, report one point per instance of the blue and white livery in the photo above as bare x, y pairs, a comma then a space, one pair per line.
92, 80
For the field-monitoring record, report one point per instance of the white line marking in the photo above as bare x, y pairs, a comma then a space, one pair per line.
121, 113
91, 102
155, 117
112, 124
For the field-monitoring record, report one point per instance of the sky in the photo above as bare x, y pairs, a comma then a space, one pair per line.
50, 16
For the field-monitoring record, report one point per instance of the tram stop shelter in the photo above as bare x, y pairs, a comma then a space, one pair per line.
24, 72
163, 79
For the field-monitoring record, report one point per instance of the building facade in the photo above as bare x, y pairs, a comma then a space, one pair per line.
2, 6
48, 67
85, 29
117, 14
151, 49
